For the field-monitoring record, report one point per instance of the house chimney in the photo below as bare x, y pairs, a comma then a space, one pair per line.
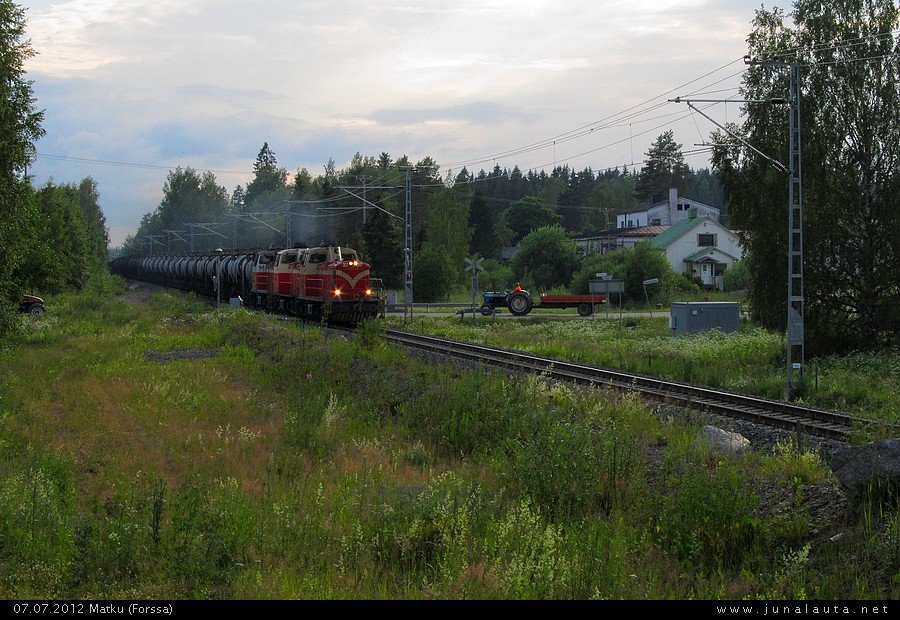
673, 204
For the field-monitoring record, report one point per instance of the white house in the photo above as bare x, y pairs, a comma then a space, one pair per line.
699, 247
616, 239
665, 213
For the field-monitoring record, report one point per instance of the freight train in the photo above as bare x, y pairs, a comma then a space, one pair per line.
329, 282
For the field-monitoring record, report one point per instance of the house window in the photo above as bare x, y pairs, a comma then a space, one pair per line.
706, 240
655, 222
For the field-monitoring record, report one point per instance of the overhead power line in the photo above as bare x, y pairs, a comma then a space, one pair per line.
637, 113
123, 164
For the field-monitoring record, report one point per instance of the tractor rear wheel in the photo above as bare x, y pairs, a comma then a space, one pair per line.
519, 303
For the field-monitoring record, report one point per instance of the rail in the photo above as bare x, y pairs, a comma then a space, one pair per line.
774, 413
428, 307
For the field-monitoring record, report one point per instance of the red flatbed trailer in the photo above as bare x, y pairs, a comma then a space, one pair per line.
584, 303
521, 303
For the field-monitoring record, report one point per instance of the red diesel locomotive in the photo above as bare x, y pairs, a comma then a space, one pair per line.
330, 282
327, 282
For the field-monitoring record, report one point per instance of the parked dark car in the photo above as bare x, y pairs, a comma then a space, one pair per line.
32, 305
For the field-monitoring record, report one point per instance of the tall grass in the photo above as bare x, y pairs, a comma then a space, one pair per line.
167, 450
750, 361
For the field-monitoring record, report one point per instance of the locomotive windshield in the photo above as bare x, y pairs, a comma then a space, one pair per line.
288, 257
331, 253
265, 258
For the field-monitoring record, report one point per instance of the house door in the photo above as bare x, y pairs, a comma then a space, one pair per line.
708, 275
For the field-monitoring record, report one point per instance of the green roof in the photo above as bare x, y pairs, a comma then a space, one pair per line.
691, 258
676, 231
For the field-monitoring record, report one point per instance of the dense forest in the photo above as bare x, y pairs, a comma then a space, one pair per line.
54, 238
364, 205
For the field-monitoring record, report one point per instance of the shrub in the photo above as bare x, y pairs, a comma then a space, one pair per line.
433, 273
570, 467
707, 520
736, 277
370, 335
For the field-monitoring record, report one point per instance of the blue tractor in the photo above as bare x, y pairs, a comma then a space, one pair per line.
519, 302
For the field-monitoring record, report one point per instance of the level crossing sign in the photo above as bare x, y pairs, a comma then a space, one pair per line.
475, 265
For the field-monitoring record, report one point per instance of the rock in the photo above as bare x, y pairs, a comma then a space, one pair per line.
872, 468
721, 442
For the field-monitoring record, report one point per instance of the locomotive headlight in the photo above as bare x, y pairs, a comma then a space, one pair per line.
337, 292
368, 292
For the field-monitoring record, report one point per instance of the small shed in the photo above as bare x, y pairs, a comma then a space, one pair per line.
691, 317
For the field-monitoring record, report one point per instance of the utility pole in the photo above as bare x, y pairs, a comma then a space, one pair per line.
795, 301
218, 278
407, 246
364, 179
288, 226
363, 187
408, 241
605, 211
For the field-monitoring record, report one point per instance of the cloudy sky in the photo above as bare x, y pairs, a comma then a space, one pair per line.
133, 89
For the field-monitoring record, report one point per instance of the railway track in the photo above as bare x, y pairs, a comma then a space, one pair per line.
792, 417
778, 414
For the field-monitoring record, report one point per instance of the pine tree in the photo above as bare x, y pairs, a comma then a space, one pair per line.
268, 179
20, 128
664, 169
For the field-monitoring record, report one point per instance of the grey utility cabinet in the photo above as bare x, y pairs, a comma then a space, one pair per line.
691, 317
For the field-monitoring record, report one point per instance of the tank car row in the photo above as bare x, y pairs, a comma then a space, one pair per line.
328, 282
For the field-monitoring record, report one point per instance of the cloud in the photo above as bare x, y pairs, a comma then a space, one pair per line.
471, 113
145, 86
